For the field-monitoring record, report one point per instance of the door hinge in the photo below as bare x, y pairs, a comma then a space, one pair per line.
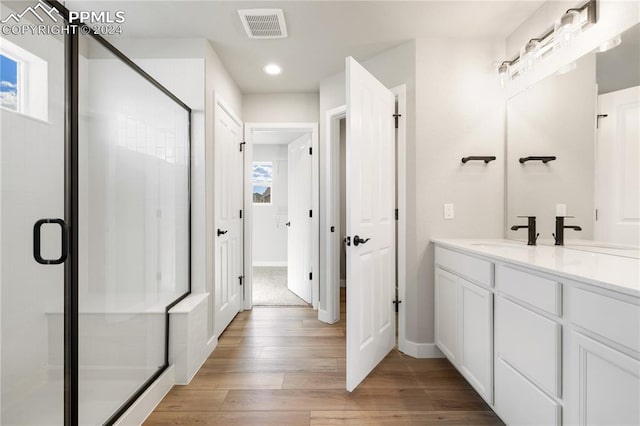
310, 213
240, 213
241, 279
242, 144
396, 214
396, 116
310, 275
596, 215
397, 303
310, 150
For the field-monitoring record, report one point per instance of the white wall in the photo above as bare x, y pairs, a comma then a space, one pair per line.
280, 108
460, 112
269, 229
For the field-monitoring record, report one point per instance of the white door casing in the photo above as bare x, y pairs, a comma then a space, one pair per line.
228, 224
300, 203
617, 188
370, 186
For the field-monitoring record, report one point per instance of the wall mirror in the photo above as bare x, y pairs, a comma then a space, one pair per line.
585, 121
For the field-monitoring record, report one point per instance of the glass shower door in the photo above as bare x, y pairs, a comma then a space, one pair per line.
32, 186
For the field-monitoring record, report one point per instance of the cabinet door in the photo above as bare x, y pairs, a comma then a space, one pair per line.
446, 310
476, 337
603, 384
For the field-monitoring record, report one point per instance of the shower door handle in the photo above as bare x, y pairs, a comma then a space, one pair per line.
64, 249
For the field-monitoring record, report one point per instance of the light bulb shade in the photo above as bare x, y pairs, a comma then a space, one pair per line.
529, 56
566, 29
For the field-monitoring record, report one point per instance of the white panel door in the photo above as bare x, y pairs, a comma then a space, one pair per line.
299, 236
228, 224
617, 193
370, 197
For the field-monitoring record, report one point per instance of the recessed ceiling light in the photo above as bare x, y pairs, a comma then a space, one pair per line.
272, 69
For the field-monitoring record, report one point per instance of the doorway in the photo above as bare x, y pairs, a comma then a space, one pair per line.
281, 229
281, 199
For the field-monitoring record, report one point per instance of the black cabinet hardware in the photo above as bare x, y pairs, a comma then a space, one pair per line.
544, 159
288, 223
486, 159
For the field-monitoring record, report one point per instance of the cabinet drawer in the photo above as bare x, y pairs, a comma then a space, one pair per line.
519, 402
529, 342
616, 320
534, 290
470, 267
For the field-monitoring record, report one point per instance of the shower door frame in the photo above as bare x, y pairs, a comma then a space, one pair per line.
71, 205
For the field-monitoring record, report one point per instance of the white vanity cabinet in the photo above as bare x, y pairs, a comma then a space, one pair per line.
541, 348
602, 366
464, 318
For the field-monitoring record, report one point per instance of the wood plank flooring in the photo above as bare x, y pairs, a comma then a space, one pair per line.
281, 366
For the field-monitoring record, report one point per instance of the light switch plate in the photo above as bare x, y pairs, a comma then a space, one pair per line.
449, 212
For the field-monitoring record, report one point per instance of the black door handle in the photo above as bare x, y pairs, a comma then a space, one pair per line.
37, 228
288, 223
221, 232
357, 240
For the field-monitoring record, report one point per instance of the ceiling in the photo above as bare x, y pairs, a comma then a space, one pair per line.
321, 33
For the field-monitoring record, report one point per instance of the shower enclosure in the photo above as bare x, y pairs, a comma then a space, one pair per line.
95, 224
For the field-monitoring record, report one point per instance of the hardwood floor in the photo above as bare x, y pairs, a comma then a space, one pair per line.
281, 366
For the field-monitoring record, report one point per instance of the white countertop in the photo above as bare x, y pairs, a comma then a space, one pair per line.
617, 273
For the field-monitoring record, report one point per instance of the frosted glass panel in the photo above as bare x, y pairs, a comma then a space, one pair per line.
134, 228
32, 188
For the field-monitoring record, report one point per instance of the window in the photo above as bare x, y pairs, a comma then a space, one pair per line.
24, 78
262, 178
9, 73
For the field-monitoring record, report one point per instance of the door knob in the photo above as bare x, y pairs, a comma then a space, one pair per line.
357, 240
288, 223
221, 232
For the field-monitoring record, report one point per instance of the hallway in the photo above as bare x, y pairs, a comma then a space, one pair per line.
281, 366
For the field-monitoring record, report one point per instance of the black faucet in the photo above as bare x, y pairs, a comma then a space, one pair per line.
560, 227
531, 226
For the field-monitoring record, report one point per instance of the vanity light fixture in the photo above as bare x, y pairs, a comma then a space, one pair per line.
569, 26
610, 44
272, 69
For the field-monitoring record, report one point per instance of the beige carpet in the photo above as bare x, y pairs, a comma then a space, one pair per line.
270, 288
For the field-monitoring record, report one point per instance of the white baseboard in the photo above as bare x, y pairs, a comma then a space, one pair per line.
271, 263
343, 283
422, 350
211, 346
144, 406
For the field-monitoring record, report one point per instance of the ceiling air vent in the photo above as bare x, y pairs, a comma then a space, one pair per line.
263, 23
